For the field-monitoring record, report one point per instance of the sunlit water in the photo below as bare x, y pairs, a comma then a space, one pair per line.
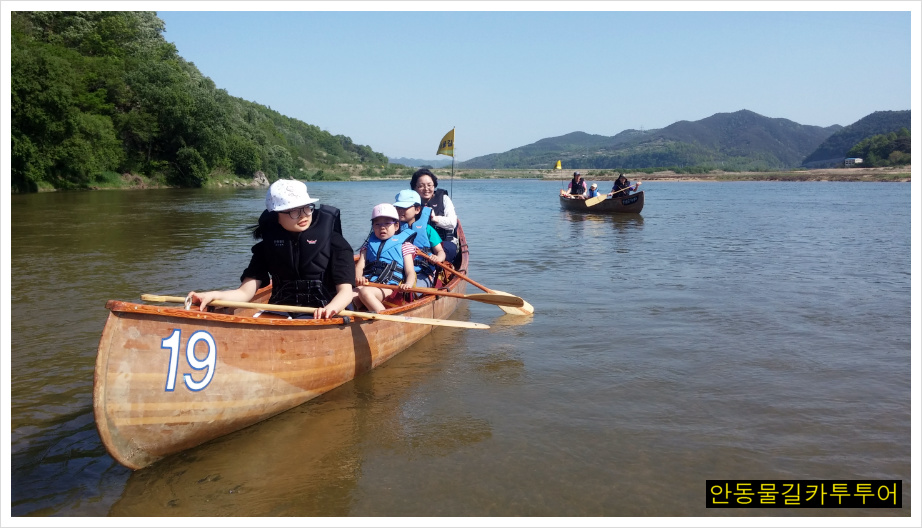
730, 331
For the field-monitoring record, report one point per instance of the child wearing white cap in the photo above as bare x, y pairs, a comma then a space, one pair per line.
593, 190
385, 258
301, 251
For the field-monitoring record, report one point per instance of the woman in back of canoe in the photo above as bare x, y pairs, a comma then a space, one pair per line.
621, 188
414, 217
385, 258
301, 250
443, 217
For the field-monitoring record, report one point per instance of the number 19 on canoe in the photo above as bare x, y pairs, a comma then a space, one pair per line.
173, 342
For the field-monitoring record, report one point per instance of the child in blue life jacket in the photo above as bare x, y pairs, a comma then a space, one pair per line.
414, 217
594, 190
386, 258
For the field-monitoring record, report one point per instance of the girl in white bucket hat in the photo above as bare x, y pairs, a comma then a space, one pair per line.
385, 258
301, 250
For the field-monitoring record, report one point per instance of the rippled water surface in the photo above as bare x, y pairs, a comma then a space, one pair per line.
729, 331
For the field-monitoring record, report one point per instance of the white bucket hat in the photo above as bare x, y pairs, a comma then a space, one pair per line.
287, 194
386, 210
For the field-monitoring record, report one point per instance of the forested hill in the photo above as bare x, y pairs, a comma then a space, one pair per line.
97, 94
741, 140
836, 146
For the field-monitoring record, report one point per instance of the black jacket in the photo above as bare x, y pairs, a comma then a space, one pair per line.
304, 267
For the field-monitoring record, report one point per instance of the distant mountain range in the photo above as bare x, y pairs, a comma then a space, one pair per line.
413, 162
741, 140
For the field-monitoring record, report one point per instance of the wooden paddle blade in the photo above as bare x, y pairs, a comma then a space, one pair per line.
160, 298
498, 299
415, 320
596, 200
525, 309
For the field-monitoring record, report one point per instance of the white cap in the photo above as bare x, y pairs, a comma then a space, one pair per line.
384, 209
287, 194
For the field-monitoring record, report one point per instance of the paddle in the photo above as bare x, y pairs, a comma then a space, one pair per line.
601, 198
525, 309
306, 309
595, 199
489, 298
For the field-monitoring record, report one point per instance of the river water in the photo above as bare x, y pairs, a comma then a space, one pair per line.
754, 330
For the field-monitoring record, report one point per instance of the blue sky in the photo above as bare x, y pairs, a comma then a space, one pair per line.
397, 76
399, 80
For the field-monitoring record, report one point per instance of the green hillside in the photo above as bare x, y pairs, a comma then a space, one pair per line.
95, 95
741, 140
836, 146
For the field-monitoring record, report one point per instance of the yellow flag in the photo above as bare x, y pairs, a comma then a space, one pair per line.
447, 146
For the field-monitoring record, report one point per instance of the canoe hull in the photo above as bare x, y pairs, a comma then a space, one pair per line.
628, 204
168, 379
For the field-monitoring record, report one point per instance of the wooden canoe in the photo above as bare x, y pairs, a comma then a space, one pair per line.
628, 204
153, 396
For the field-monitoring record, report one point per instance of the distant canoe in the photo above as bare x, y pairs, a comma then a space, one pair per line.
628, 204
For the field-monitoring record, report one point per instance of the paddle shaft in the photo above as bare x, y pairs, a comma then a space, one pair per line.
490, 298
307, 309
454, 271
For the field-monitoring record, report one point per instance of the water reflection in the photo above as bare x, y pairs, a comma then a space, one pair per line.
309, 461
712, 336
596, 225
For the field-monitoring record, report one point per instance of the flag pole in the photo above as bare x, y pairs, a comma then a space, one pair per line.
447, 147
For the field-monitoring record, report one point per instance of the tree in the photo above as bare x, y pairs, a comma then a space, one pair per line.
96, 91
190, 168
243, 155
279, 163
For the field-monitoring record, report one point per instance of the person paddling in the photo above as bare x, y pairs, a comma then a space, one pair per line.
621, 187
301, 251
443, 217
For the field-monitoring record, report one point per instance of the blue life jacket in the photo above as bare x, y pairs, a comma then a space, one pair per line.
422, 266
384, 259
